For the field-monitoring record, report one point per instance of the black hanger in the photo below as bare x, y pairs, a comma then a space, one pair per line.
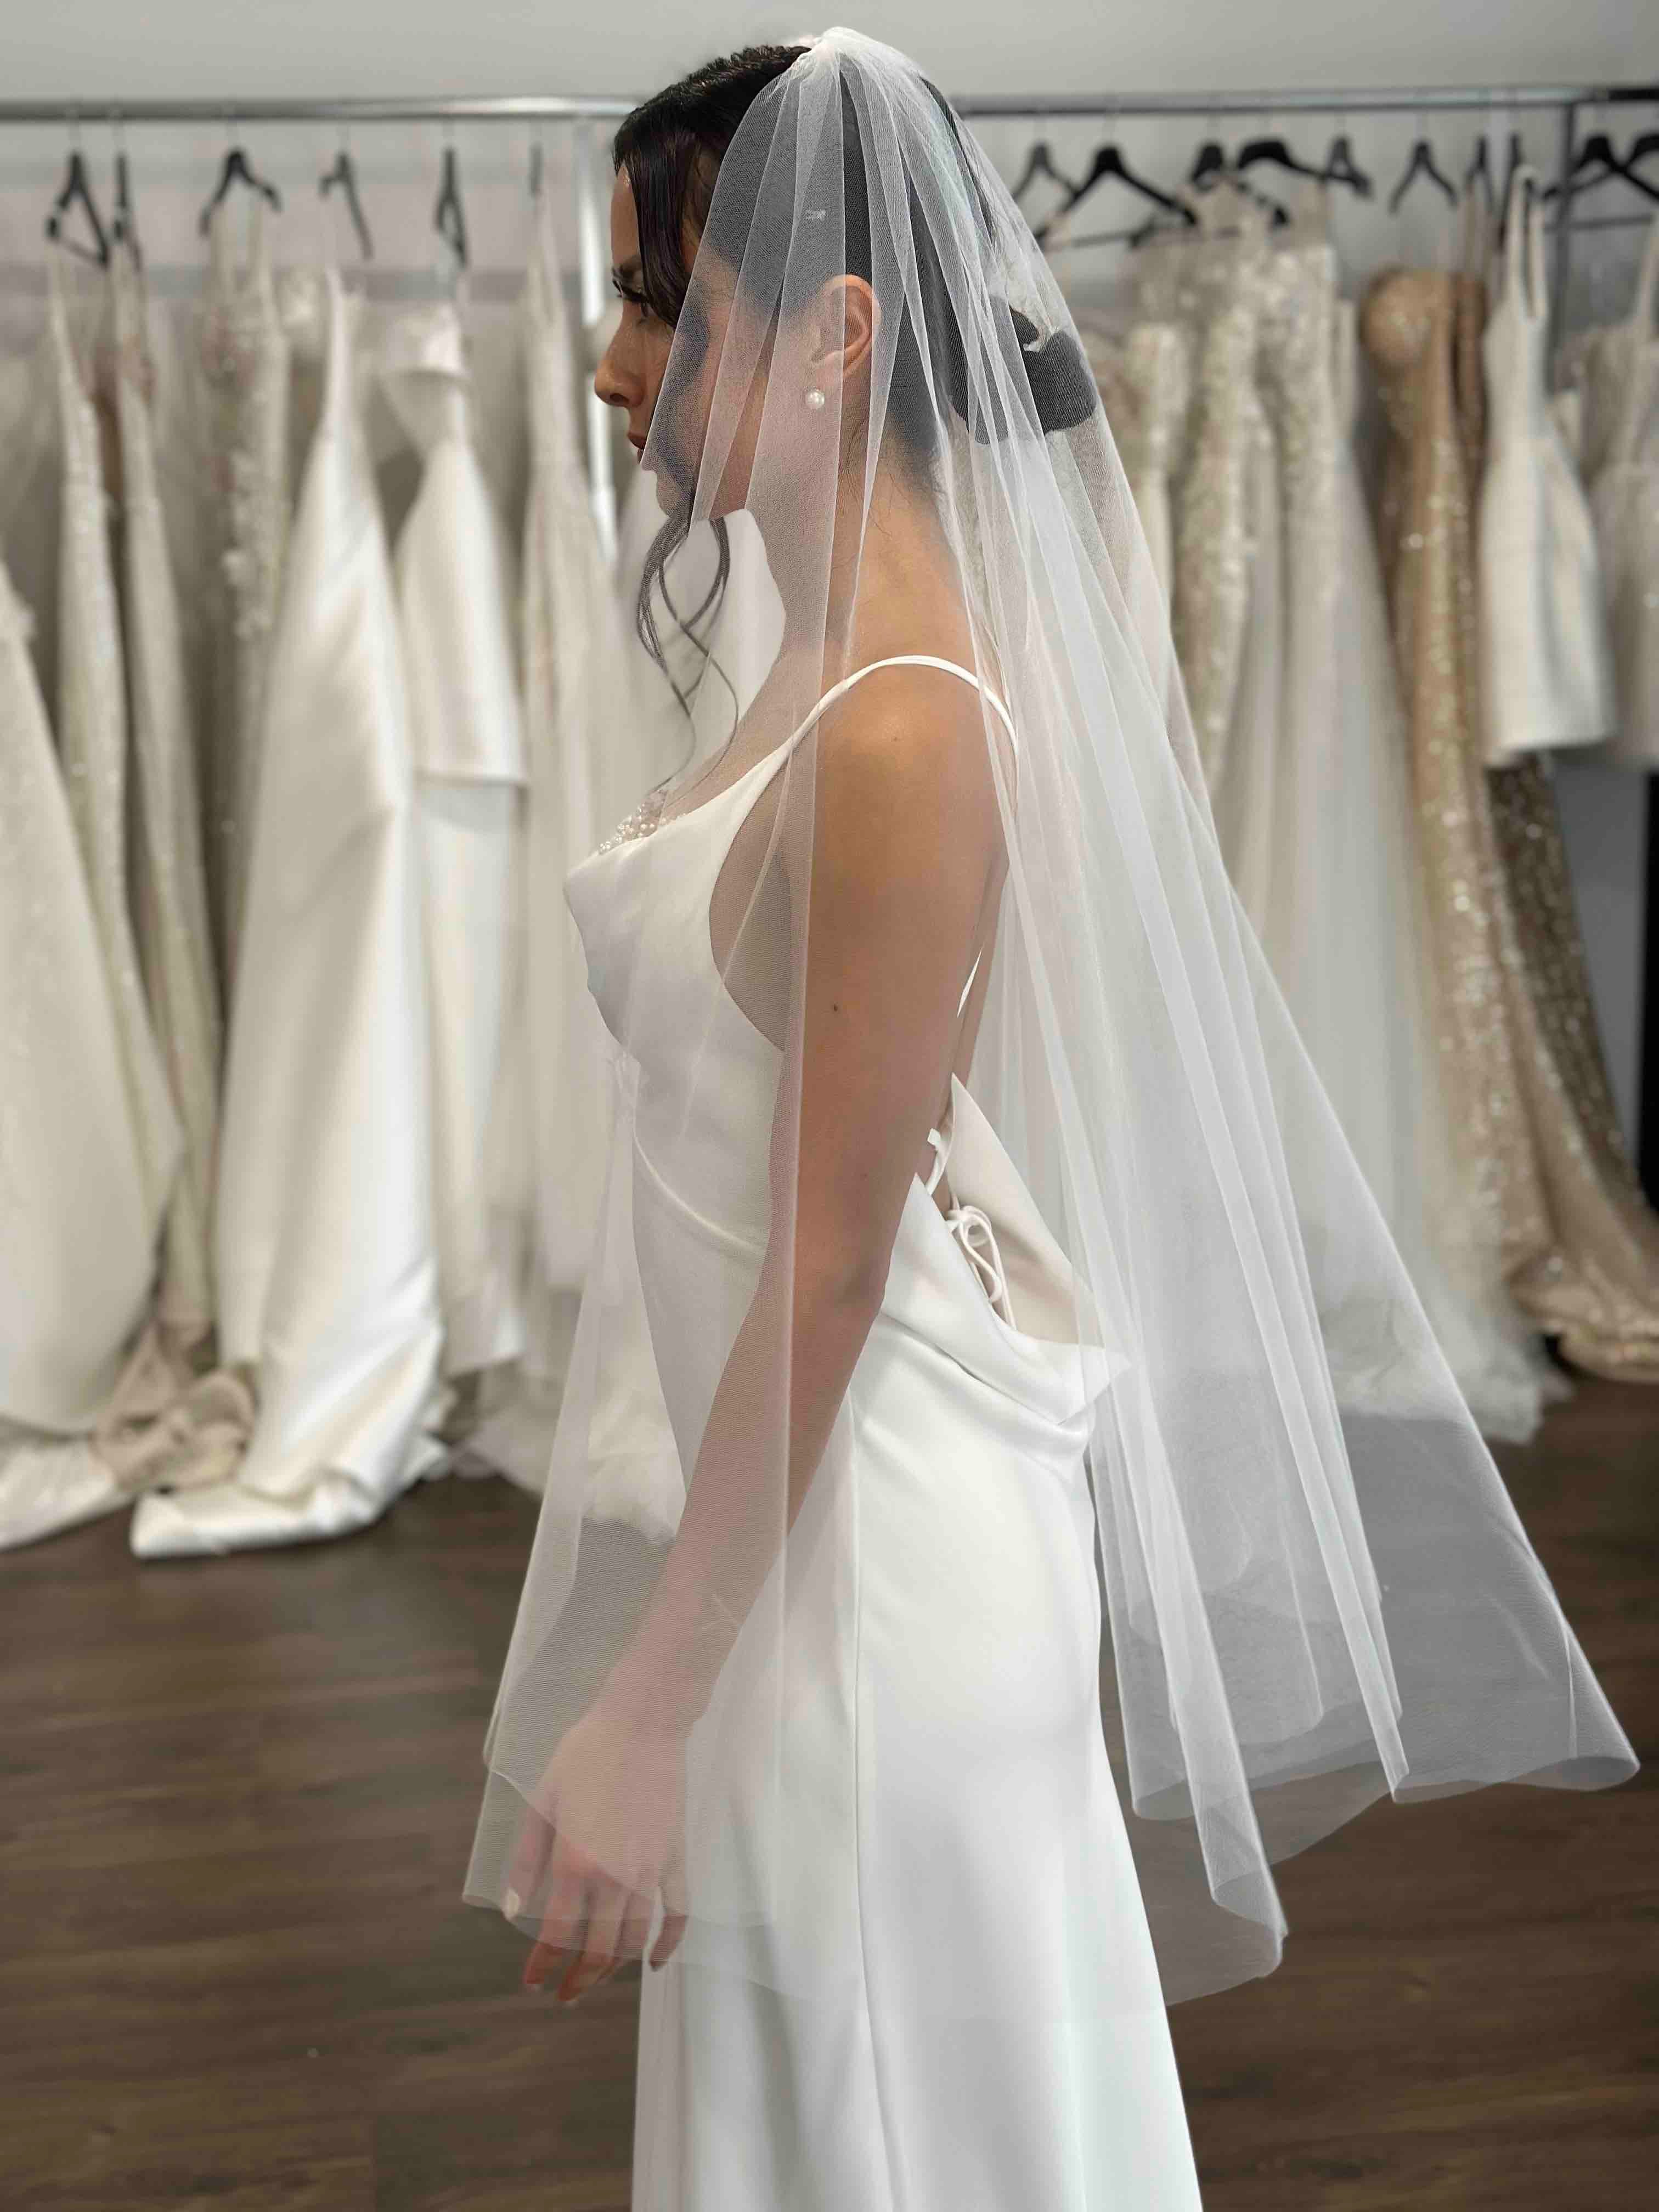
1110, 162
237, 169
1646, 144
1276, 151
1512, 161
1210, 156
1421, 163
122, 225
447, 216
344, 173
77, 191
1340, 168
1040, 162
1597, 152
1480, 170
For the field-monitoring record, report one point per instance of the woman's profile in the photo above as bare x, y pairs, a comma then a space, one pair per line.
1006, 1493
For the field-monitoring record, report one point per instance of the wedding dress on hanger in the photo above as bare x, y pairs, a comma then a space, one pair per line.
244, 362
1408, 321
1547, 675
1145, 379
1613, 374
78, 1222
454, 581
92, 741
325, 1243
1597, 1288
169, 891
1226, 527
1364, 1009
91, 1142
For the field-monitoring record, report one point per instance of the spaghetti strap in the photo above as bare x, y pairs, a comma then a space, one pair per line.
955, 668
922, 659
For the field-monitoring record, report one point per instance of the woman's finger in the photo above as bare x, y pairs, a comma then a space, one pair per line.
530, 1852
636, 1927
668, 1938
608, 1904
564, 1916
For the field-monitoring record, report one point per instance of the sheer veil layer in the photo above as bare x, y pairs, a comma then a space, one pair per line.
1218, 1414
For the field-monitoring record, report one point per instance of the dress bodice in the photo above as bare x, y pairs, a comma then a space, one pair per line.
708, 1075
981, 1279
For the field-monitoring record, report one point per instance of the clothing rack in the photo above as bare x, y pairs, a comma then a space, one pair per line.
1568, 102
537, 107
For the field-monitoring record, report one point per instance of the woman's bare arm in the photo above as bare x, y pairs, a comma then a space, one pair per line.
905, 832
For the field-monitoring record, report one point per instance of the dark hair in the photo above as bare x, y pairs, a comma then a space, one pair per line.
672, 146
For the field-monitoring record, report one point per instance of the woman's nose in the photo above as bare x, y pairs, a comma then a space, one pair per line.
611, 385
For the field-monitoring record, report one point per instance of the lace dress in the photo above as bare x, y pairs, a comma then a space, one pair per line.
91, 740
169, 890
244, 356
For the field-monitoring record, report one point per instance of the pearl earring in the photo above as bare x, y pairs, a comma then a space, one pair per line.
815, 397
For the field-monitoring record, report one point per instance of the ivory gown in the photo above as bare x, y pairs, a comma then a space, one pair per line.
956, 1512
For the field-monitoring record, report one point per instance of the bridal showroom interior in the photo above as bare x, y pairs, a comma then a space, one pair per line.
326, 559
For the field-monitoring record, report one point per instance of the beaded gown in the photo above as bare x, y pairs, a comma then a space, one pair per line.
1287, 651
245, 363
169, 889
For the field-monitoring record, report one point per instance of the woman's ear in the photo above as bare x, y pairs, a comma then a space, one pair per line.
848, 320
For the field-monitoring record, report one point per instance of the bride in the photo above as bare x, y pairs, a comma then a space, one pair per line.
1006, 1493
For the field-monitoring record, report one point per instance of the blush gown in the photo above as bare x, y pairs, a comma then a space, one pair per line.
955, 1518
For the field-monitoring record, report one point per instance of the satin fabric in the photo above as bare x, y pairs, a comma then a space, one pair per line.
1621, 440
77, 1221
325, 1246
1545, 656
454, 588
951, 1517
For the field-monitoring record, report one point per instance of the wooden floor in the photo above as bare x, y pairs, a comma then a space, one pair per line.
235, 1972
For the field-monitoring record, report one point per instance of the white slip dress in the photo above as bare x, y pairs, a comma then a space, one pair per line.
944, 1682
1546, 670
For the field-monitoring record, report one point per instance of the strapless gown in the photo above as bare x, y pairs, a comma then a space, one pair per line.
949, 1628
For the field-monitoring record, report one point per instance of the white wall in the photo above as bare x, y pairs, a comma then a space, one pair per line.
106, 47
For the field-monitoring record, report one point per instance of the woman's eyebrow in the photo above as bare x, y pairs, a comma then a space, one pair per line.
630, 268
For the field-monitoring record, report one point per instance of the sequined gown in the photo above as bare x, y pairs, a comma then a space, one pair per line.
1517, 1024
1312, 813
1406, 322
1598, 1286
1218, 510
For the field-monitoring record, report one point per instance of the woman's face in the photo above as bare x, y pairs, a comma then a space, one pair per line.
630, 374
826, 347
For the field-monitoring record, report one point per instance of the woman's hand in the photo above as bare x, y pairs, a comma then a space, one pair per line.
607, 1833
